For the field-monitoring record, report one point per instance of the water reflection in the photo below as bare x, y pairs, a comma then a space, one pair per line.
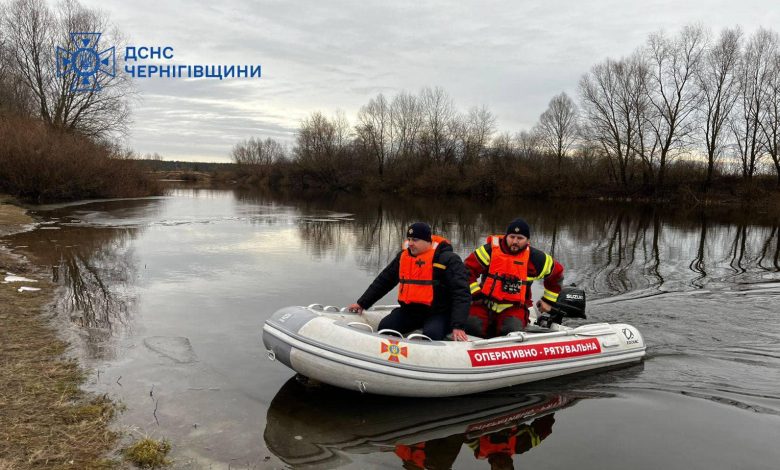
321, 427
95, 271
607, 249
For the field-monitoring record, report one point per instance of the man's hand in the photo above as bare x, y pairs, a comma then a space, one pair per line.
459, 335
543, 306
355, 308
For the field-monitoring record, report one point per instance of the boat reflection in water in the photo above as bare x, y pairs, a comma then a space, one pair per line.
312, 426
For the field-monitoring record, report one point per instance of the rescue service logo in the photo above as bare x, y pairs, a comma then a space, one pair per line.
86, 62
87, 65
394, 350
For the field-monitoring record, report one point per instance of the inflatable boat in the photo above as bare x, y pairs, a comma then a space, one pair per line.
345, 349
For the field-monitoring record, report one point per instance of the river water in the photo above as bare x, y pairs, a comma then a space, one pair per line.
164, 300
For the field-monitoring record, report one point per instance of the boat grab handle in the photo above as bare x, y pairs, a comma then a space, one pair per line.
315, 306
414, 336
388, 331
331, 308
357, 324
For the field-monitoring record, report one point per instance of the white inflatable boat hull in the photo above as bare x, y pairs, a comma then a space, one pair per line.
340, 349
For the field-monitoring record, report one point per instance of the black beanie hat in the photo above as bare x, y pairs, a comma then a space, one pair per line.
419, 230
519, 227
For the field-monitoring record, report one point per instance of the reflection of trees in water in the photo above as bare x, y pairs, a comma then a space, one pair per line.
606, 248
769, 254
699, 265
737, 250
95, 279
751, 250
94, 270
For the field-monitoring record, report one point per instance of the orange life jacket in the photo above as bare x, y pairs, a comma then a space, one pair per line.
414, 454
415, 275
507, 277
488, 447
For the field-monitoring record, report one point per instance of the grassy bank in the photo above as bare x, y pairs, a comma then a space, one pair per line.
46, 420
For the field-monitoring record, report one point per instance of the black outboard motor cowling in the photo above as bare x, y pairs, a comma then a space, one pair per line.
570, 304
571, 301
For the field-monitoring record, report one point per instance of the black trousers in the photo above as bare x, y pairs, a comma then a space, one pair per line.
408, 318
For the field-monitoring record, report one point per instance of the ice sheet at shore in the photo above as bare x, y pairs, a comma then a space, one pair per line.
175, 348
27, 289
13, 278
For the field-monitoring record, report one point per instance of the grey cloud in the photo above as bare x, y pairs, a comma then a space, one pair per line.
511, 56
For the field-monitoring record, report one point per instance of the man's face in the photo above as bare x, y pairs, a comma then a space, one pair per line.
417, 246
516, 243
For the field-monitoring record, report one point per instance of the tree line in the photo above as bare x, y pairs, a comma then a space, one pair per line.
56, 143
691, 112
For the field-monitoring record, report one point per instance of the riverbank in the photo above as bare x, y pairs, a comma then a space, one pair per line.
684, 189
46, 419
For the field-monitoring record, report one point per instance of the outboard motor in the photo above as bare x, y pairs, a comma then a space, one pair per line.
570, 304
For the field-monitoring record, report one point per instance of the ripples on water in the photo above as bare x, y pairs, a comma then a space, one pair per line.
205, 268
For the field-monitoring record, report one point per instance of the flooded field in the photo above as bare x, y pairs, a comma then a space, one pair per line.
164, 299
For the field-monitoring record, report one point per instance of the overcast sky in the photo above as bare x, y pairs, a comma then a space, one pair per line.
511, 56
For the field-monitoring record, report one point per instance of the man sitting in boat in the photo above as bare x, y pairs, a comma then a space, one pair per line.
433, 292
508, 265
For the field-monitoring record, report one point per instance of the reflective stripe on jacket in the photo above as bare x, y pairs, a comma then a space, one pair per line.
507, 276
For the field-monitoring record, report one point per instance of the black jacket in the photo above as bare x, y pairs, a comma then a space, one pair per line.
450, 295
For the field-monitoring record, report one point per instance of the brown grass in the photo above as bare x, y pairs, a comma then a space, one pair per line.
148, 453
12, 218
39, 164
46, 420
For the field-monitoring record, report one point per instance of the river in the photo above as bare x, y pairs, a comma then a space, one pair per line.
164, 300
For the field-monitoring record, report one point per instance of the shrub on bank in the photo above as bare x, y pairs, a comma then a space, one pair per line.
38, 163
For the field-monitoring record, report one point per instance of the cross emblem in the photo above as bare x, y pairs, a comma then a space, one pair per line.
394, 350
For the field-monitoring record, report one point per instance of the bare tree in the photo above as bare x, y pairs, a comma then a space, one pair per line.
646, 144
770, 125
557, 127
674, 63
438, 113
527, 144
718, 85
503, 147
14, 97
258, 152
754, 73
478, 128
407, 121
375, 128
33, 33
324, 150
608, 97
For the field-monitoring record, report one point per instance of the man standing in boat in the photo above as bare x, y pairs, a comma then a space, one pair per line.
508, 265
433, 287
